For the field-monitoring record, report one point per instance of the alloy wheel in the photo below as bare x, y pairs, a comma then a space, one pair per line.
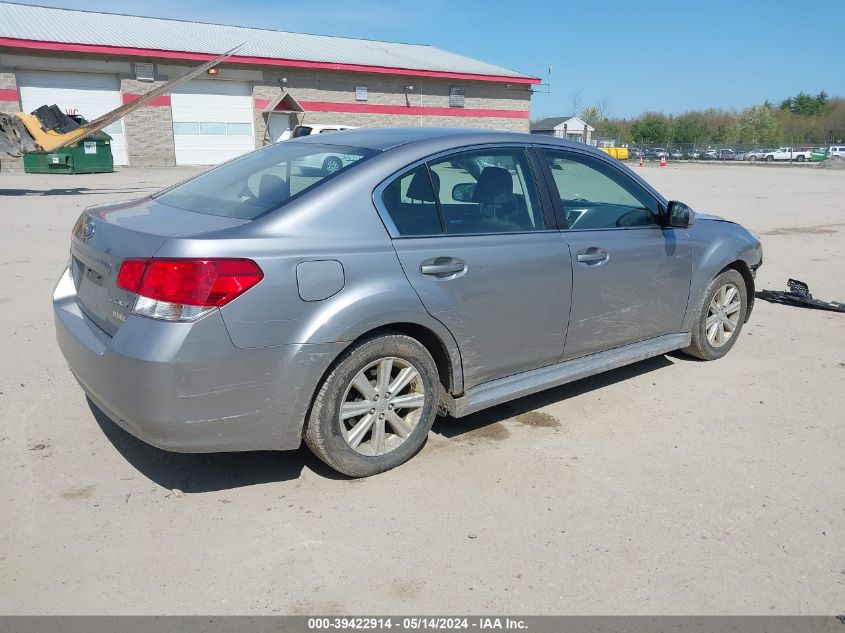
381, 406
723, 315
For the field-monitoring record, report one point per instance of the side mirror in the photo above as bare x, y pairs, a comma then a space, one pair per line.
463, 192
680, 215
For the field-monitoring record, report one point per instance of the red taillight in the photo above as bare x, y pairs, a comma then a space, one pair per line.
193, 282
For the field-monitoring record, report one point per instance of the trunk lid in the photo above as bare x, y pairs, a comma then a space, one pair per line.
106, 235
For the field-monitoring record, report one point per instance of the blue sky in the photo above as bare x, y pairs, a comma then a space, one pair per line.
637, 54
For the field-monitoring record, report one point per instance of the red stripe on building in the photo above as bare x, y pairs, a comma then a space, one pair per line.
259, 61
368, 108
164, 100
9, 94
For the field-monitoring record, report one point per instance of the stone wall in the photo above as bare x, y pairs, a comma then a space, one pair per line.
149, 130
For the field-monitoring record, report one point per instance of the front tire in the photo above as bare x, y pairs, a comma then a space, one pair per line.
374, 410
720, 317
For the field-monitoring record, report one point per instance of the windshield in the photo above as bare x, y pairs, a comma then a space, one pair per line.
259, 182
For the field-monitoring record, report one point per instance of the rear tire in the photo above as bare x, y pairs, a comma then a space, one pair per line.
720, 317
357, 426
800, 159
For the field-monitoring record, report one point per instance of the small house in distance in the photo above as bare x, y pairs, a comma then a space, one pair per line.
568, 127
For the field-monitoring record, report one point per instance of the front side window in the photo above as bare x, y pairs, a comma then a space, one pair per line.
262, 181
487, 191
594, 195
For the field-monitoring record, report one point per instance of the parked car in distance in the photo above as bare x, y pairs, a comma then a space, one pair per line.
693, 154
655, 153
676, 154
635, 153
327, 164
835, 151
308, 130
726, 154
754, 155
788, 153
255, 305
709, 154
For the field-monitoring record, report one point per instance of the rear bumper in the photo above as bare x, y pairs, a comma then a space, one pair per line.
184, 386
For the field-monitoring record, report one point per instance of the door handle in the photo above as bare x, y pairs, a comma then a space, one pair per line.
592, 255
443, 267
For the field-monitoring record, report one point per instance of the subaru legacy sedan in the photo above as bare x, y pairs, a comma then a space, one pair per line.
437, 271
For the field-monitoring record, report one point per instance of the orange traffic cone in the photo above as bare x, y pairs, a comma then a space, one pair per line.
641, 161
663, 161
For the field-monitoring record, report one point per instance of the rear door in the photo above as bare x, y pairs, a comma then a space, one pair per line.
473, 239
631, 275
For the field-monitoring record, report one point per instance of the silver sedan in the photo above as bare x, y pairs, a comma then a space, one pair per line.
433, 272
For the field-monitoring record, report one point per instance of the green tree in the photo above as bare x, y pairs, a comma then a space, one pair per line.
805, 104
758, 125
651, 128
688, 131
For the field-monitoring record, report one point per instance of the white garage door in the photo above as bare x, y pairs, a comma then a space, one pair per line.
86, 94
212, 121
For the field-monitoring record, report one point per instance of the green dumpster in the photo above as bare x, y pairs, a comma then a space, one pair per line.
91, 155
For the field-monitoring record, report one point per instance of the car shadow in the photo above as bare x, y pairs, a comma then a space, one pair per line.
74, 191
451, 427
209, 472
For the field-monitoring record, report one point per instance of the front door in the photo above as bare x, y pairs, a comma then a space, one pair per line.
474, 242
631, 275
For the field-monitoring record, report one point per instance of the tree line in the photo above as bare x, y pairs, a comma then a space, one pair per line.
799, 119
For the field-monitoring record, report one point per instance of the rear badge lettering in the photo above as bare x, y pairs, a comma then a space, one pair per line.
118, 315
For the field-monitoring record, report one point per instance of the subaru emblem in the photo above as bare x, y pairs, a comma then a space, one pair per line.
88, 229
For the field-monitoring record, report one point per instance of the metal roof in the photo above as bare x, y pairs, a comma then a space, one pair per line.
66, 26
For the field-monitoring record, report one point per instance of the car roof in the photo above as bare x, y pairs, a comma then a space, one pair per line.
386, 138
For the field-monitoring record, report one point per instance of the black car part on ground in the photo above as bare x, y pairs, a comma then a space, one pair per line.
799, 295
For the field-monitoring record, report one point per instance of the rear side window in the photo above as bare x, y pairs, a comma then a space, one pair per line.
597, 196
411, 204
487, 191
259, 182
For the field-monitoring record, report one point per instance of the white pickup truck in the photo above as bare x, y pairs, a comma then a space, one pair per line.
788, 153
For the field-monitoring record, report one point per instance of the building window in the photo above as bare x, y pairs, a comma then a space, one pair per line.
360, 93
456, 97
205, 128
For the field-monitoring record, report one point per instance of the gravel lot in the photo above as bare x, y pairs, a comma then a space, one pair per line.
671, 486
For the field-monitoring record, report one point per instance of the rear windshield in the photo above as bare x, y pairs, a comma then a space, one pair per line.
259, 182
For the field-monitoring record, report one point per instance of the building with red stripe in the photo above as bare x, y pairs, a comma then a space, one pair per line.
88, 63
